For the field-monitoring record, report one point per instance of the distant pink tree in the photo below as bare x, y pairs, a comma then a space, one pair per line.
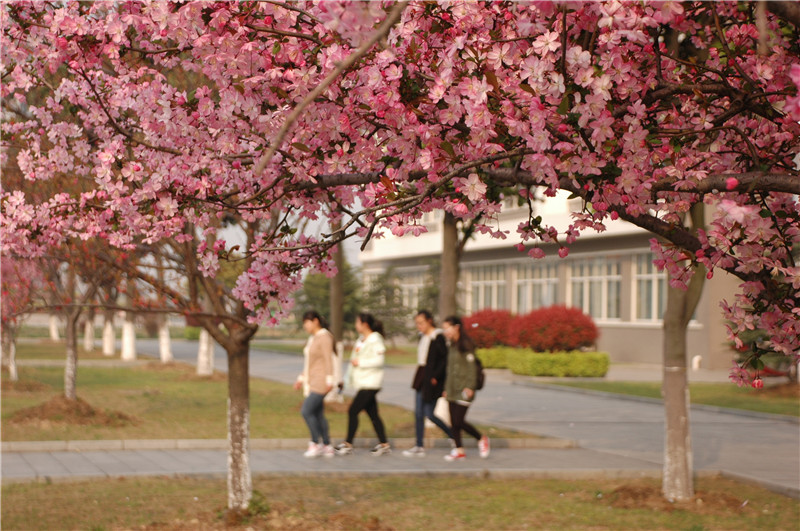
21, 287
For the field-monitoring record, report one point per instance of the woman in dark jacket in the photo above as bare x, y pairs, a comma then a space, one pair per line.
460, 385
428, 380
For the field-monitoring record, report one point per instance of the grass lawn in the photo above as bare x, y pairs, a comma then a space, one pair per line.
405, 355
159, 401
394, 502
775, 399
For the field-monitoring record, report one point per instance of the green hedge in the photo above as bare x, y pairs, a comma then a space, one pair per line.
530, 363
192, 332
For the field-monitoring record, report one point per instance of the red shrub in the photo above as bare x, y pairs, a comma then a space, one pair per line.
552, 329
488, 327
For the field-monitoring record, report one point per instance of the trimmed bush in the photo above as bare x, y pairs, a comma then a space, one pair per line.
552, 329
495, 357
488, 327
575, 363
192, 332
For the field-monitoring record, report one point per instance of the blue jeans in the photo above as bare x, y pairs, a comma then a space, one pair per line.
422, 411
313, 411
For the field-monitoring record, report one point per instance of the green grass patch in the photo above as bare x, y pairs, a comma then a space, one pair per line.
395, 502
776, 399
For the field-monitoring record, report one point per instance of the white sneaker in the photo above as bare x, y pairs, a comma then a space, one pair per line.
381, 449
328, 451
417, 451
455, 455
483, 447
344, 449
314, 450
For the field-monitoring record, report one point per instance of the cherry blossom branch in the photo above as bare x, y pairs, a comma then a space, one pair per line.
264, 29
381, 32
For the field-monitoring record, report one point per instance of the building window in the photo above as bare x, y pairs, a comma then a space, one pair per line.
595, 286
487, 286
651, 289
537, 285
412, 285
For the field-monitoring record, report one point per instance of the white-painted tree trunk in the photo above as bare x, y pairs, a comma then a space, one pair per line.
164, 343
108, 337
88, 334
205, 354
9, 354
128, 338
54, 335
71, 363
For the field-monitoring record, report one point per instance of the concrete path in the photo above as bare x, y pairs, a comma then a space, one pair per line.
586, 434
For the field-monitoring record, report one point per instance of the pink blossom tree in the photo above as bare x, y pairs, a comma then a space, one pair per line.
21, 285
387, 111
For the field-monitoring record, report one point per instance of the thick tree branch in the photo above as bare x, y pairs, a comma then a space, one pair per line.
746, 183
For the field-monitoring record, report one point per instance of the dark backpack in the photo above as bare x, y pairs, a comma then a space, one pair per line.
481, 375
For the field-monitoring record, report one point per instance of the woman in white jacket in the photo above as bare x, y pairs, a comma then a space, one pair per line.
365, 376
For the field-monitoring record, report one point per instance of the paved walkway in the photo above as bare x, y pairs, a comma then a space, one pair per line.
579, 434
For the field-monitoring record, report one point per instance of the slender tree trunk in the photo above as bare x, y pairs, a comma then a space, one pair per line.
678, 473
240, 484
128, 338
71, 366
54, 335
448, 284
9, 351
337, 294
109, 336
88, 332
164, 343
205, 354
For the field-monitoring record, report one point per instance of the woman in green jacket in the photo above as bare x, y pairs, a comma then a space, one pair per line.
459, 386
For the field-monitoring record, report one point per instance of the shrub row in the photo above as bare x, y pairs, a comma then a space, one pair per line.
550, 329
527, 362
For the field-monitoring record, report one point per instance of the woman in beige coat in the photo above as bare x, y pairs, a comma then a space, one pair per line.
316, 382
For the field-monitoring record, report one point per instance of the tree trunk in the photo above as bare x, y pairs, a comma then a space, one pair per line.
448, 284
88, 332
54, 328
71, 366
164, 343
205, 354
678, 480
108, 334
337, 295
240, 485
128, 338
9, 351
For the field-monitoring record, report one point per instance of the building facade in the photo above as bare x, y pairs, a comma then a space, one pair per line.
609, 275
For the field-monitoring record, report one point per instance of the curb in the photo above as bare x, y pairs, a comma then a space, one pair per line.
258, 444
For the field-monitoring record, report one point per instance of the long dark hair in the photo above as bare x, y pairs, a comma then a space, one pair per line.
373, 324
310, 315
464, 344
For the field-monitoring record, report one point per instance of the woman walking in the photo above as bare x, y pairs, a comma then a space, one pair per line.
459, 387
316, 382
365, 375
428, 380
